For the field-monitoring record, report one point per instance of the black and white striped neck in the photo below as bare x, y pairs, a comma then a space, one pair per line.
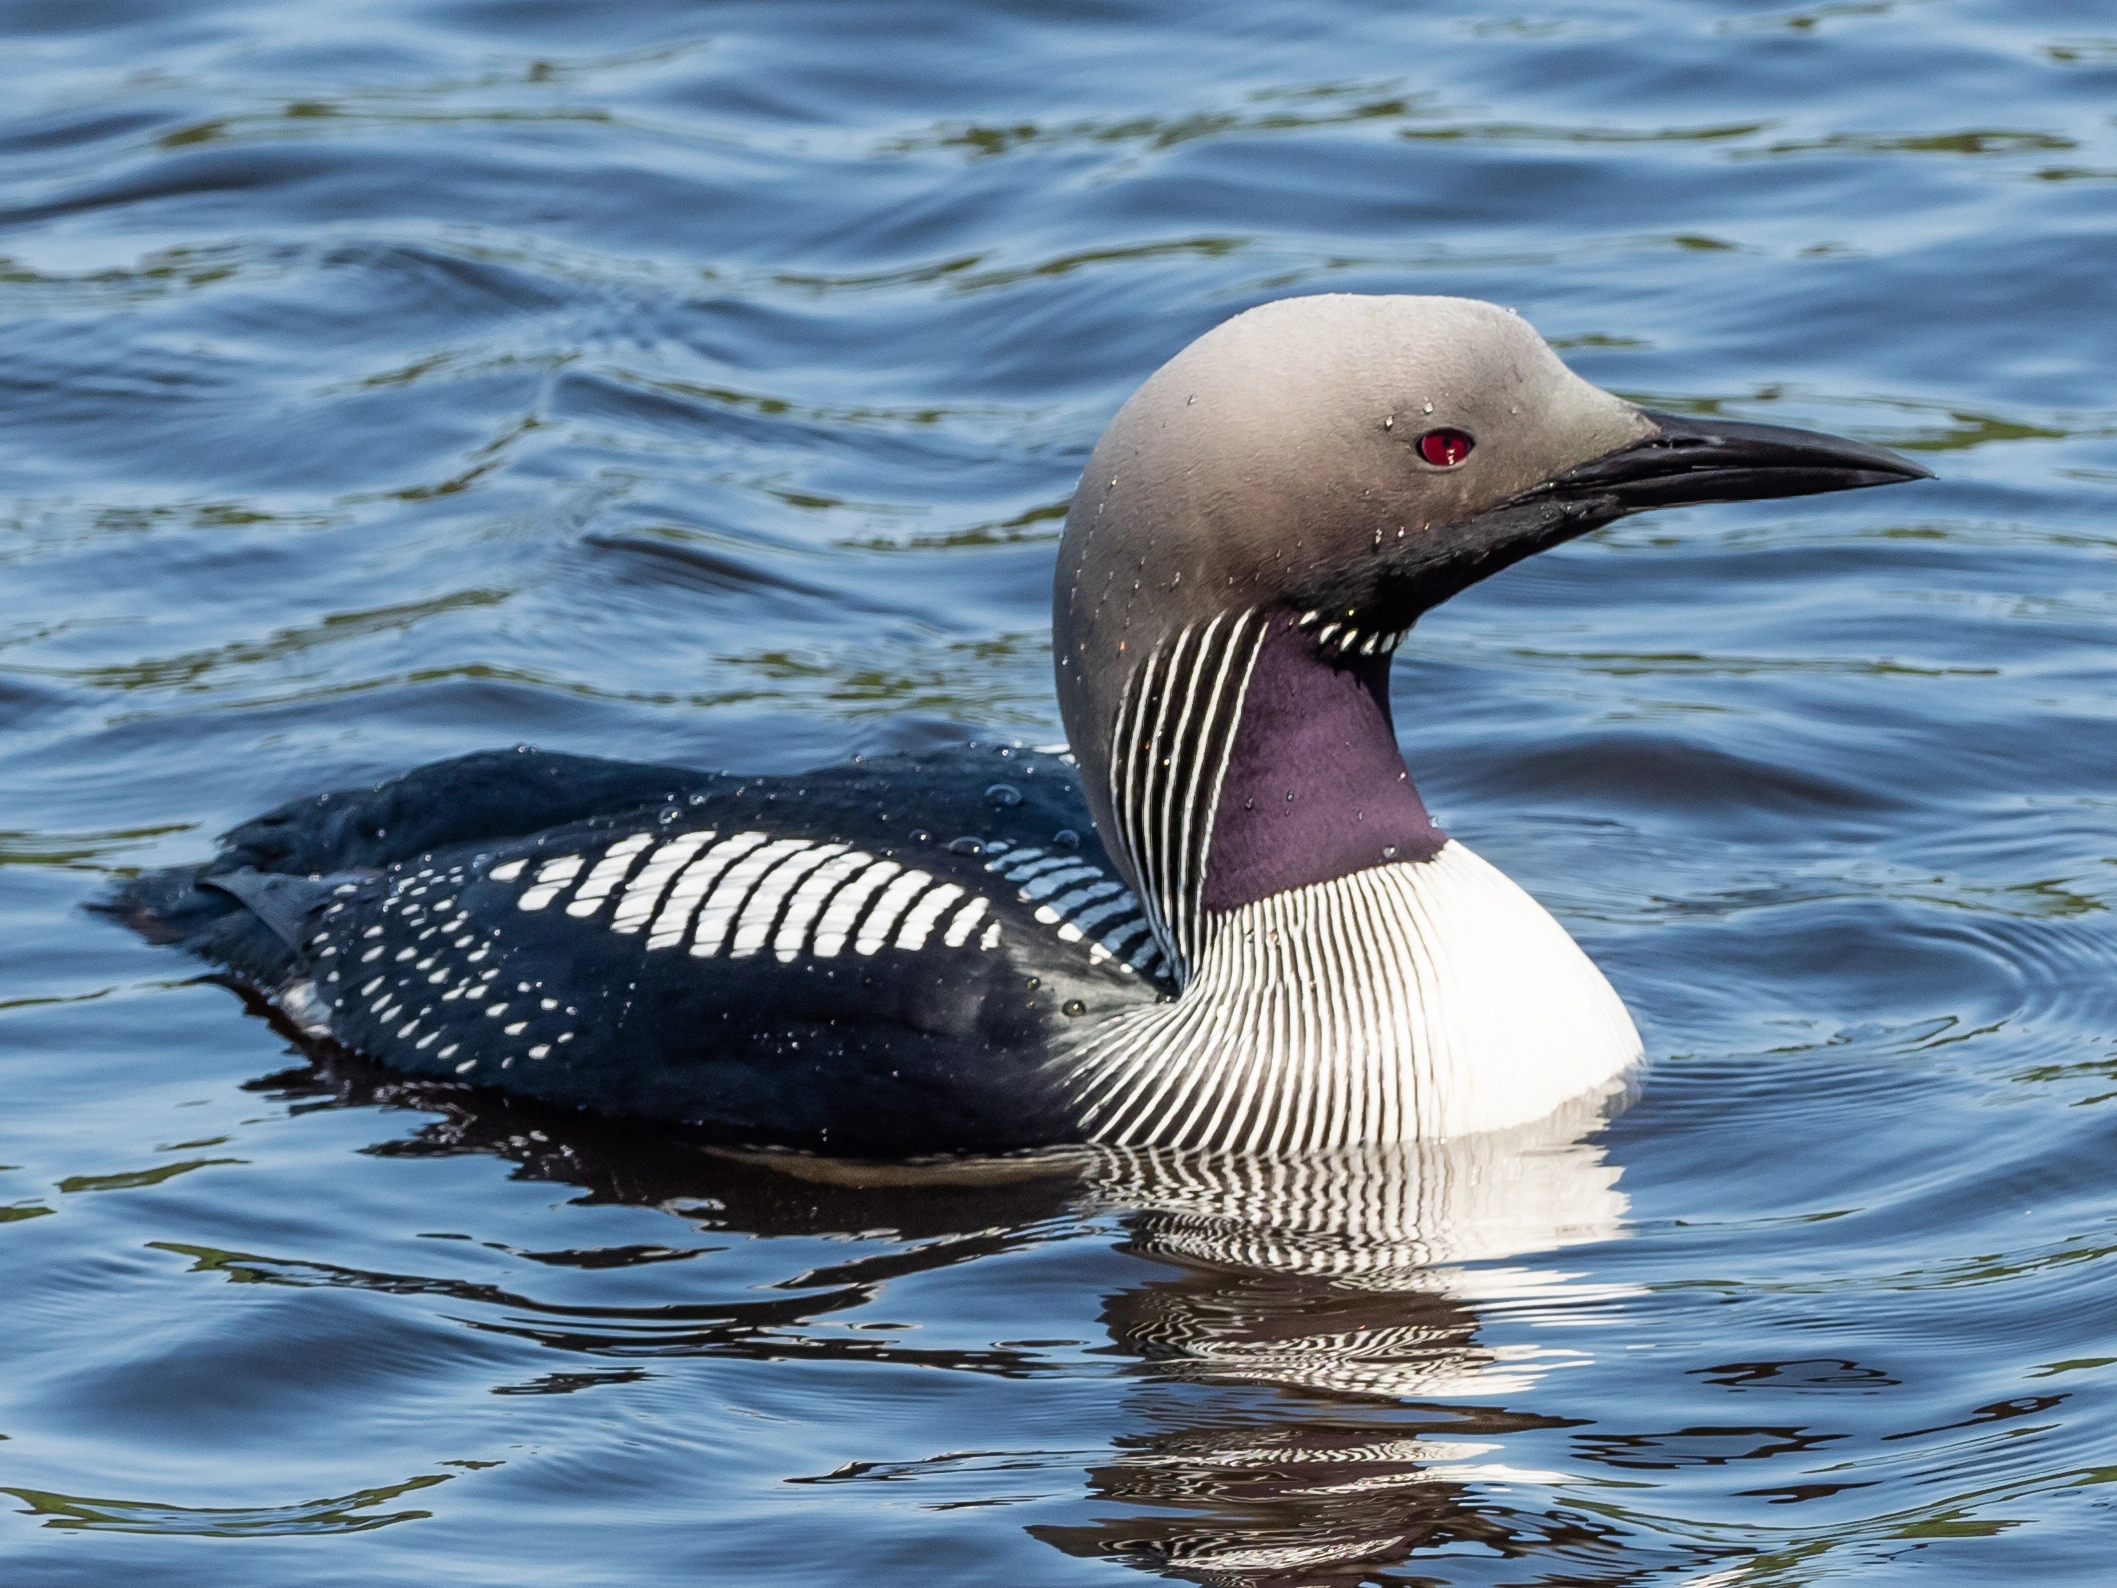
1254, 753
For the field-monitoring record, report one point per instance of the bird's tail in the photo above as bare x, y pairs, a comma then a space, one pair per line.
183, 907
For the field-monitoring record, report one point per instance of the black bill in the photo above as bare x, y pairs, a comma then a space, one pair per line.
1728, 460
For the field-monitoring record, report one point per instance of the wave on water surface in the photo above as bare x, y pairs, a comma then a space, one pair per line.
393, 381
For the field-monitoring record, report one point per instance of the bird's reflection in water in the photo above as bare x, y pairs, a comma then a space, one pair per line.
1310, 1396
1337, 1281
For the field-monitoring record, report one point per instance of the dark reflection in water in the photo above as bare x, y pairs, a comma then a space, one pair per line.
1334, 1281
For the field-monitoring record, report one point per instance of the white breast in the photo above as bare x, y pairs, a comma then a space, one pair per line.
1406, 1002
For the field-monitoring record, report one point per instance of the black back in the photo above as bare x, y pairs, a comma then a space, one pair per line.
880, 957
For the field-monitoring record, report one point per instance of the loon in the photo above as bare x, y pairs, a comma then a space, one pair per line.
1223, 920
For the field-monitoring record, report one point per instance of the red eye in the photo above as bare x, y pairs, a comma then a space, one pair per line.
1444, 449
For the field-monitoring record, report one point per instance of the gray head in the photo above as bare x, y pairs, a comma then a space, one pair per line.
1355, 461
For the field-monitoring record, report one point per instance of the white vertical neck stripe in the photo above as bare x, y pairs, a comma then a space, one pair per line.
1174, 733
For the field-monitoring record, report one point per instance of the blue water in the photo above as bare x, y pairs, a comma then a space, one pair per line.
388, 379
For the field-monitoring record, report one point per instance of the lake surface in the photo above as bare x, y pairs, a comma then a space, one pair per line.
706, 383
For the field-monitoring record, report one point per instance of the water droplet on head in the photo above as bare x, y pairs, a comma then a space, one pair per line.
1003, 795
1389, 851
1065, 838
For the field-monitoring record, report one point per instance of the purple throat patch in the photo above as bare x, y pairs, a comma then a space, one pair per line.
1316, 788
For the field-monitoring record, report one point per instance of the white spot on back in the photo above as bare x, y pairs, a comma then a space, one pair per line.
843, 910
919, 921
645, 889
809, 897
1120, 935
967, 918
895, 900
1120, 905
762, 907
606, 874
683, 901
1052, 881
727, 897
552, 877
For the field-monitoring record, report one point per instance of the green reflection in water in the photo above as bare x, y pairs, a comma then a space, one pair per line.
273, 126
1935, 427
1067, 264
340, 1514
158, 274
134, 1179
980, 141
2082, 52
22, 848
1983, 141
191, 670
964, 681
1024, 527
1535, 132
1699, 664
